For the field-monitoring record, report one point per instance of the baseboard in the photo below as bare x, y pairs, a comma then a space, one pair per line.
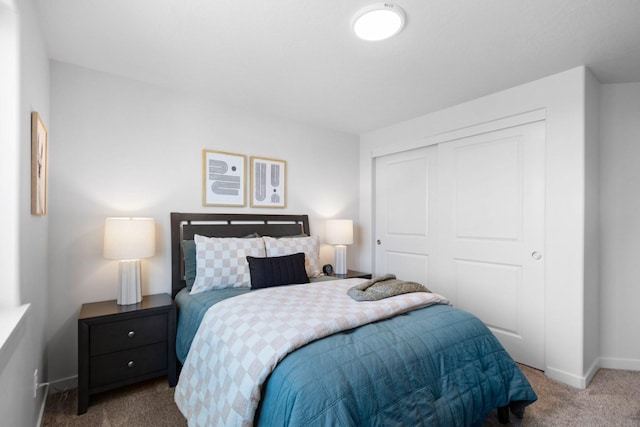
618, 363
593, 369
43, 403
566, 378
602, 362
64, 384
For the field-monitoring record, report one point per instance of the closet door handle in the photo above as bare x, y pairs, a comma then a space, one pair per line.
536, 255
378, 242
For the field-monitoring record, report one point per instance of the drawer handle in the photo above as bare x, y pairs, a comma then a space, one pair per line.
131, 334
130, 364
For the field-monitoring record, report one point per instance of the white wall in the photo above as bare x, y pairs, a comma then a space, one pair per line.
620, 225
562, 96
24, 236
127, 148
592, 227
9, 143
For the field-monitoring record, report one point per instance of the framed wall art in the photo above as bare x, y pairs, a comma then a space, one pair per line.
223, 178
268, 183
39, 165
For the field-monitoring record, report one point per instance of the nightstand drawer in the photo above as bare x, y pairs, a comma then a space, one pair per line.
125, 334
113, 367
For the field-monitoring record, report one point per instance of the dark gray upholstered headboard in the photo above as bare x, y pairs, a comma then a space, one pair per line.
185, 225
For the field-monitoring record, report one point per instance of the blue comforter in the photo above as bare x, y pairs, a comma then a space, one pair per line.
191, 310
436, 366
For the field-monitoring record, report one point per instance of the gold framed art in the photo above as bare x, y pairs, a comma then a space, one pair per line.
223, 178
268, 183
39, 165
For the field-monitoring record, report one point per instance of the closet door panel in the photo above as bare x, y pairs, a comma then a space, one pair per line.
404, 239
491, 233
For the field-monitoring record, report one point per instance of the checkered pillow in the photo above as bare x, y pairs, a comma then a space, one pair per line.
222, 262
292, 245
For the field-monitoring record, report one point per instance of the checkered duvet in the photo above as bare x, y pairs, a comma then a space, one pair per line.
241, 340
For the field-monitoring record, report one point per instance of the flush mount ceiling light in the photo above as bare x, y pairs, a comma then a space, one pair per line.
378, 21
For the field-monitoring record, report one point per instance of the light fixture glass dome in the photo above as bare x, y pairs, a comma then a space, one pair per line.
378, 21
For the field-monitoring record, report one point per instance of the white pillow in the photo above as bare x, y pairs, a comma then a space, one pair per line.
292, 245
222, 262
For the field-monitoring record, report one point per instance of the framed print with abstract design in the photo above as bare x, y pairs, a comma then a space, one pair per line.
39, 165
223, 178
268, 183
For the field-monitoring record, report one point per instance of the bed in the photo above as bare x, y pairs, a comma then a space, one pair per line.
432, 365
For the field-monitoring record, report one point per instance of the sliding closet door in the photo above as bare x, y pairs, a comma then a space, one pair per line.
491, 233
404, 187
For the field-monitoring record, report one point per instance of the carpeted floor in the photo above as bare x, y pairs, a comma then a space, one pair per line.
612, 399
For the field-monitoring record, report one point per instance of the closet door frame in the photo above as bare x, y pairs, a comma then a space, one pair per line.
497, 125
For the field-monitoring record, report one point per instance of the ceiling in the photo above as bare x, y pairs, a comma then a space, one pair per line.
298, 58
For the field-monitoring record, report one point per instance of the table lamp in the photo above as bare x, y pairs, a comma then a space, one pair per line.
128, 240
339, 232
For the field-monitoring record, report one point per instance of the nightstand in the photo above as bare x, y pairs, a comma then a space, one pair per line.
351, 274
120, 345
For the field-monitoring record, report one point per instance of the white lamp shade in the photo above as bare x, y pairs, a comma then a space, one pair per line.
339, 231
129, 238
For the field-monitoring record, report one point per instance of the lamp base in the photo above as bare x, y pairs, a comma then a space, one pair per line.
341, 259
129, 291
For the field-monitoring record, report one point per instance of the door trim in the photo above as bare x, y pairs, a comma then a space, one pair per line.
526, 119
464, 132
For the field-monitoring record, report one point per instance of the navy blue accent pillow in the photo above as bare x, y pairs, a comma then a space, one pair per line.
277, 271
